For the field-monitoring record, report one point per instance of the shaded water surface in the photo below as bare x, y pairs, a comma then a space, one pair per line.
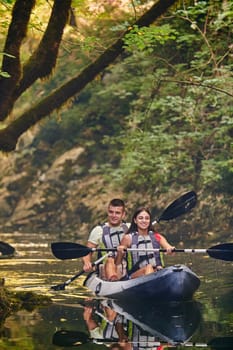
61, 325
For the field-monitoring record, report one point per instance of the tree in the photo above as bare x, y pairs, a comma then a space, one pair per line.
42, 62
180, 122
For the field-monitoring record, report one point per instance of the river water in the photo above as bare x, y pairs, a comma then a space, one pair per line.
61, 325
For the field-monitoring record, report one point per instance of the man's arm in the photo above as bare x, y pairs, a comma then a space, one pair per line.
93, 241
87, 263
125, 243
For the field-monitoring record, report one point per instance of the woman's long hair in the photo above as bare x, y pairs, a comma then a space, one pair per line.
133, 226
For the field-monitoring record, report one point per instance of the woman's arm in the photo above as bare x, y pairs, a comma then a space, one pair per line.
165, 244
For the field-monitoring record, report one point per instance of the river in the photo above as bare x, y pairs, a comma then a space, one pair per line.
34, 268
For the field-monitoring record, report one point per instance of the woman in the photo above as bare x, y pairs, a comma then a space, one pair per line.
141, 238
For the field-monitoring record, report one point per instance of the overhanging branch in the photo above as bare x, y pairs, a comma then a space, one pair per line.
186, 82
10, 135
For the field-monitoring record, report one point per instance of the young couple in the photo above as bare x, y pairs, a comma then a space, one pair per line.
138, 235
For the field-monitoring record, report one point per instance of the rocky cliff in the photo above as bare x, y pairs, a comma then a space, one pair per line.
58, 196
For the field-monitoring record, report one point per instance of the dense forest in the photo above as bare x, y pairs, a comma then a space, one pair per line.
153, 123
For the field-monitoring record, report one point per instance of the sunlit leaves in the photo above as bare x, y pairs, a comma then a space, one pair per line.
145, 38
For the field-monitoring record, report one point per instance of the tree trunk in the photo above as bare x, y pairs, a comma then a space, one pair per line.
9, 136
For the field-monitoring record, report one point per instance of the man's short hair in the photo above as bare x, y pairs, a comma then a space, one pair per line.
116, 202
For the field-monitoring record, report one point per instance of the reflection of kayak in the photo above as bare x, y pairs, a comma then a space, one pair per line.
173, 322
173, 283
146, 324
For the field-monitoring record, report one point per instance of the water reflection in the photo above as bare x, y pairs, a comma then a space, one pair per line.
146, 324
35, 269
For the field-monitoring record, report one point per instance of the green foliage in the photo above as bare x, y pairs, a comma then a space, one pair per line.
161, 116
7, 1
146, 38
180, 132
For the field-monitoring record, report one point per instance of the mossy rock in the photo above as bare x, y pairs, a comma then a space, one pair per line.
13, 301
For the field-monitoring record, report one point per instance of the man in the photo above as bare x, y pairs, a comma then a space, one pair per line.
108, 235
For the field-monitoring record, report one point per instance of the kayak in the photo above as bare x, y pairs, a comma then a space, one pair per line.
173, 283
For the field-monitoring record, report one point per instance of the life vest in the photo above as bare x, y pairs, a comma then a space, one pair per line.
112, 238
110, 331
142, 341
137, 259
107, 326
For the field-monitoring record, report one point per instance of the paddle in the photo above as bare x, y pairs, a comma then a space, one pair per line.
75, 338
62, 286
69, 250
6, 250
180, 206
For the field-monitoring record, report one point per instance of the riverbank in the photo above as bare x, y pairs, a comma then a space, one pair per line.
11, 302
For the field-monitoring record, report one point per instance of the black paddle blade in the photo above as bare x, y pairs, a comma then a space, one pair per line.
6, 250
69, 250
221, 343
222, 251
69, 338
180, 206
61, 286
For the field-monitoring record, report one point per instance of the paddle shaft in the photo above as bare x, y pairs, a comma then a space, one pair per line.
153, 343
82, 272
69, 250
147, 250
62, 286
222, 251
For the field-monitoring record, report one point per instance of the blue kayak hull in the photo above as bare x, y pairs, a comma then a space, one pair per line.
173, 283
